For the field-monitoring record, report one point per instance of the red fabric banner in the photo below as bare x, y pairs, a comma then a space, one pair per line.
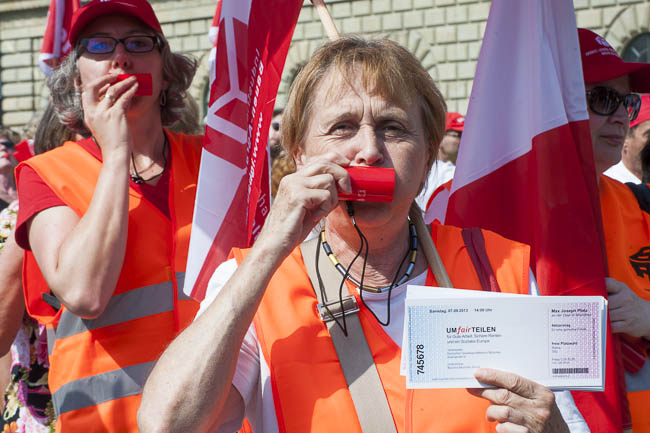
526, 166
233, 195
55, 39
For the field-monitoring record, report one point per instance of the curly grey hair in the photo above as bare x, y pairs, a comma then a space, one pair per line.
178, 71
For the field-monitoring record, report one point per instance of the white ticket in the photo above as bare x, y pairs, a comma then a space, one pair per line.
557, 341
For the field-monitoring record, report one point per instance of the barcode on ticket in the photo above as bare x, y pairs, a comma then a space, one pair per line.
582, 370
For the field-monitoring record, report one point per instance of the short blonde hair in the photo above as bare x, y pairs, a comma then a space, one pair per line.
385, 67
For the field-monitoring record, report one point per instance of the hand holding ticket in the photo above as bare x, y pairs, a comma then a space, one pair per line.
553, 340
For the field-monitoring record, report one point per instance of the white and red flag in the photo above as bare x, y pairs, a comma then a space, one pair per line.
55, 39
233, 195
526, 167
214, 27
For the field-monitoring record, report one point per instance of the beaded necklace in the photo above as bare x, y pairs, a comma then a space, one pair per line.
346, 274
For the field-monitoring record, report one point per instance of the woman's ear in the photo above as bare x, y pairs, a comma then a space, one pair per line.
77, 82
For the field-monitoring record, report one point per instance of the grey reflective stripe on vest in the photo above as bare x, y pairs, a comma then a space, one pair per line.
639, 381
180, 279
134, 304
93, 390
51, 336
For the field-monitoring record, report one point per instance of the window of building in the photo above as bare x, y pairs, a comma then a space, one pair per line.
638, 50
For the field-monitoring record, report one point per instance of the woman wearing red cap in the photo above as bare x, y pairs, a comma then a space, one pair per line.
609, 82
106, 220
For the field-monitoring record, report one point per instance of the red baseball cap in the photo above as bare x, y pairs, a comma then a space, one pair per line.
454, 122
601, 62
140, 9
644, 112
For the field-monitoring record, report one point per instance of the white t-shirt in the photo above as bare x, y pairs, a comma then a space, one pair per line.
252, 376
441, 172
621, 173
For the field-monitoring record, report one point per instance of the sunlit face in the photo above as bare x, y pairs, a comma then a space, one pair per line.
608, 132
449, 146
120, 61
6, 153
275, 137
369, 131
635, 141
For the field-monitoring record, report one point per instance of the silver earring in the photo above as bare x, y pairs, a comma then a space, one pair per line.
163, 98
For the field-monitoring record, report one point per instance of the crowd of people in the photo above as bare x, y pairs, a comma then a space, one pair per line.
97, 334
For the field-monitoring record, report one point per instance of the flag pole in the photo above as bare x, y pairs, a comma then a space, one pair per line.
428, 247
325, 17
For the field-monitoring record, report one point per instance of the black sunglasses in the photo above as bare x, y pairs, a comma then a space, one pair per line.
107, 44
605, 101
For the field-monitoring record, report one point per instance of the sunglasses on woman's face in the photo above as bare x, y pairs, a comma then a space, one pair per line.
605, 101
107, 44
7, 144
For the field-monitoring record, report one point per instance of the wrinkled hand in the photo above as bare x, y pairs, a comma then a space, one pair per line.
628, 313
303, 198
105, 104
519, 404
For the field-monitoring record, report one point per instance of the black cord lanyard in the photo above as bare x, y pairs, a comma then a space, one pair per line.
364, 244
135, 176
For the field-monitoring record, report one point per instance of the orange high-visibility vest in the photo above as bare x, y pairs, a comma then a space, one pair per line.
309, 390
98, 367
627, 236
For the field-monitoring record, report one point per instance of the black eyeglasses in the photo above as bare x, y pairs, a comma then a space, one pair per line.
605, 101
107, 44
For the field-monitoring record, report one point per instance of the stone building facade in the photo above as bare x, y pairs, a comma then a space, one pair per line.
444, 34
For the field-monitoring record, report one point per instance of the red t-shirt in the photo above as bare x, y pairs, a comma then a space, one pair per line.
34, 195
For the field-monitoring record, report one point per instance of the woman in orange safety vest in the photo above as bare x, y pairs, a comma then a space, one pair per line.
106, 220
610, 83
259, 348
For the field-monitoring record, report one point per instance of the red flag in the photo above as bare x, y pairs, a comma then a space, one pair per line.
233, 196
214, 28
55, 39
24, 150
526, 165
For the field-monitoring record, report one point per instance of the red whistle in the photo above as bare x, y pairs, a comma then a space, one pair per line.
145, 84
370, 184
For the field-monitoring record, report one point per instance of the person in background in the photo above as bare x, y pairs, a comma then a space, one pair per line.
645, 163
444, 167
275, 138
281, 162
630, 168
8, 141
106, 220
454, 123
610, 84
27, 399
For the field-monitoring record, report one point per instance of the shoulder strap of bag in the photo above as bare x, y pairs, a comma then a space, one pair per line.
642, 194
354, 355
475, 243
